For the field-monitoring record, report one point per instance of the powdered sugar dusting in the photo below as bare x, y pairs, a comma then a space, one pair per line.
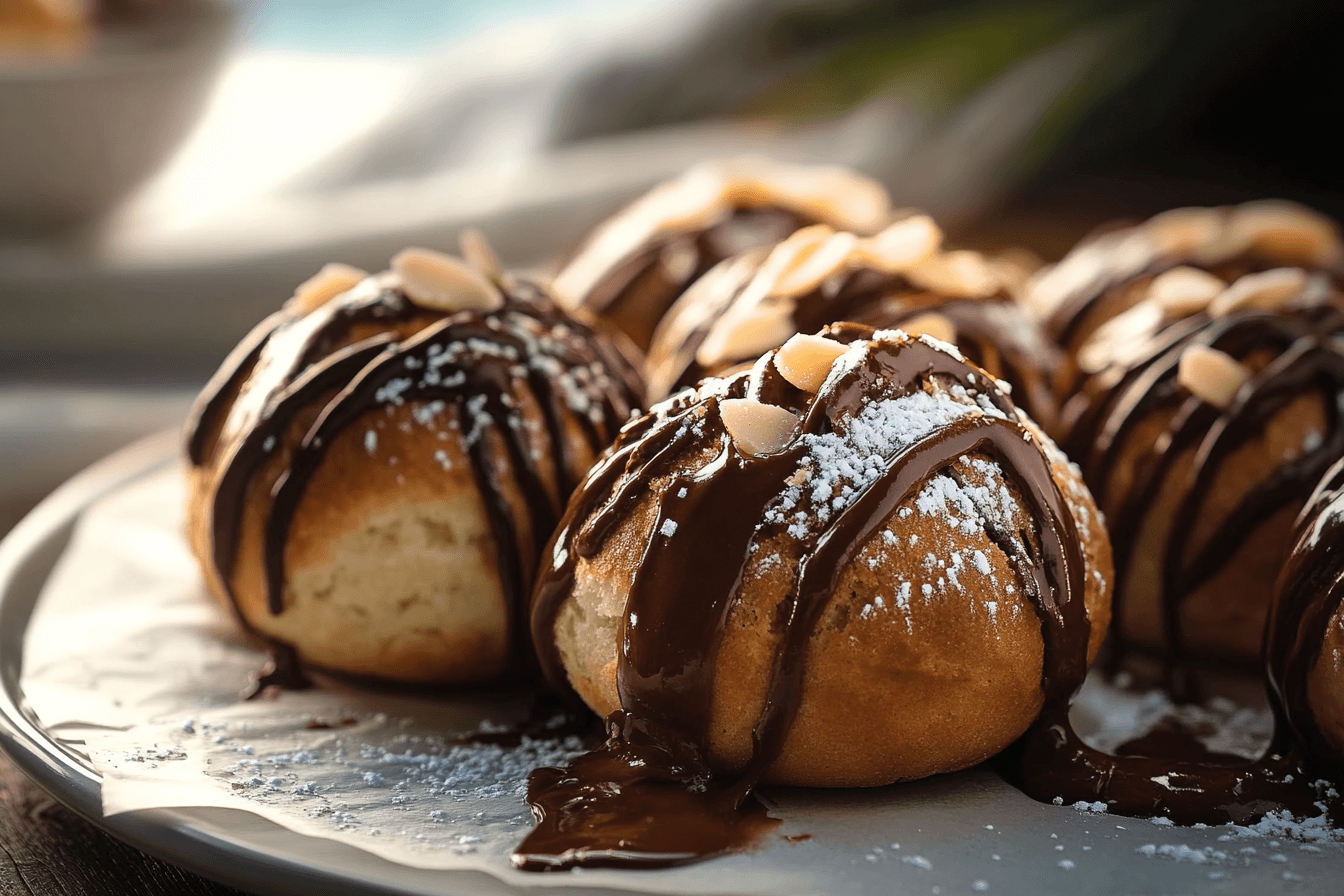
839, 465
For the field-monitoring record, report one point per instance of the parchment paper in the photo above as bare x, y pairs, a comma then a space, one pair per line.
128, 659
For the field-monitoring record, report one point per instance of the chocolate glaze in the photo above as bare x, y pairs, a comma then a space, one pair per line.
332, 362
283, 671
601, 809
992, 331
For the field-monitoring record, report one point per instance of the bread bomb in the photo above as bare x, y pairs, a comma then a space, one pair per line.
900, 277
632, 268
833, 569
1206, 413
374, 470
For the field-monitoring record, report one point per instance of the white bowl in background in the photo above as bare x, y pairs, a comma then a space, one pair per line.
78, 134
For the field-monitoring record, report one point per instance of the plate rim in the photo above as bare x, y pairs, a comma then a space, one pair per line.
28, 554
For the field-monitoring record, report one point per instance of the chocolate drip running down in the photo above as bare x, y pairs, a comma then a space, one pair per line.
300, 380
646, 798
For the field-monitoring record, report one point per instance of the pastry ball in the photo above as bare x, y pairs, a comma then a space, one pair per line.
1304, 644
900, 277
858, 547
1202, 427
375, 469
634, 266
1166, 258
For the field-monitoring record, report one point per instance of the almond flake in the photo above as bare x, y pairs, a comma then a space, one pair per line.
1184, 290
478, 253
1211, 375
334, 279
1265, 290
757, 428
930, 323
805, 361
1287, 231
959, 274
443, 283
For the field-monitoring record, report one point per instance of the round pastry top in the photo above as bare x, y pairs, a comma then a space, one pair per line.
1226, 241
711, 193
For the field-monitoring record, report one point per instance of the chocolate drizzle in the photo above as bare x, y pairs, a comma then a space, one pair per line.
597, 811
336, 363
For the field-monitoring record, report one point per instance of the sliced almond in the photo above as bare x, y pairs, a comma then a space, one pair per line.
480, 255
1267, 290
757, 428
902, 245
1287, 231
325, 285
840, 197
1185, 231
1121, 340
930, 323
443, 283
805, 360
825, 260
1213, 376
746, 333
1184, 290
959, 274
788, 255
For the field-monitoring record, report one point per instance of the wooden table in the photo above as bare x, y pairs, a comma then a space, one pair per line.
47, 849
46, 435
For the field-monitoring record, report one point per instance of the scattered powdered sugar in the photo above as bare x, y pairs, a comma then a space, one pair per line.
370, 441
354, 778
391, 392
425, 413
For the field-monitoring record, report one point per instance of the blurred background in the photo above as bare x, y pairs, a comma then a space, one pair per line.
170, 169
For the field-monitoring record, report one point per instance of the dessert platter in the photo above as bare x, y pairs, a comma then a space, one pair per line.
772, 545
